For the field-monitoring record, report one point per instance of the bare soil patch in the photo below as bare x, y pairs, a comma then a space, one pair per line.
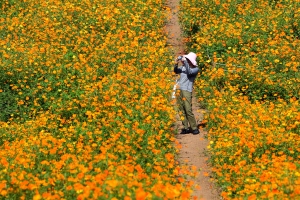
194, 147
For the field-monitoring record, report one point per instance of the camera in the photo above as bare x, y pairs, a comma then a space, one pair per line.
179, 57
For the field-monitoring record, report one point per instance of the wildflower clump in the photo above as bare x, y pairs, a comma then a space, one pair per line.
85, 101
249, 55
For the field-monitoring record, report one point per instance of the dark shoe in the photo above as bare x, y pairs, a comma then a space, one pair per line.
195, 132
184, 131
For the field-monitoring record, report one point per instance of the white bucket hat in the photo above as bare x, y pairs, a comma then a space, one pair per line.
192, 57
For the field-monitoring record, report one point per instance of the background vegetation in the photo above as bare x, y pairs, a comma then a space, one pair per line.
249, 54
84, 99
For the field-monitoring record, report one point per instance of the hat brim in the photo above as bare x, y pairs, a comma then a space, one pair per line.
192, 61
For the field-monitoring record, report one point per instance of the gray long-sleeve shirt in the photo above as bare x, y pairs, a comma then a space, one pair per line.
187, 76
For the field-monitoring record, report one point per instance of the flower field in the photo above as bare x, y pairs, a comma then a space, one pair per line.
85, 101
250, 86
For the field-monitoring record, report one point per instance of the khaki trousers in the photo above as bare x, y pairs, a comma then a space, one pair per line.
184, 102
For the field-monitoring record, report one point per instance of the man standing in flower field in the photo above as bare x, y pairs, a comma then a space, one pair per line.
188, 72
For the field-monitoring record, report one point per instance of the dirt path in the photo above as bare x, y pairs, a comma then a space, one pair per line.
194, 147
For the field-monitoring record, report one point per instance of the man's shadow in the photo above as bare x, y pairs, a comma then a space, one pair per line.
202, 125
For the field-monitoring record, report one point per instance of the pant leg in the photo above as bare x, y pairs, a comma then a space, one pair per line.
188, 109
181, 108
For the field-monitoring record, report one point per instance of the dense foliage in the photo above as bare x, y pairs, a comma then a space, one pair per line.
250, 55
84, 99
